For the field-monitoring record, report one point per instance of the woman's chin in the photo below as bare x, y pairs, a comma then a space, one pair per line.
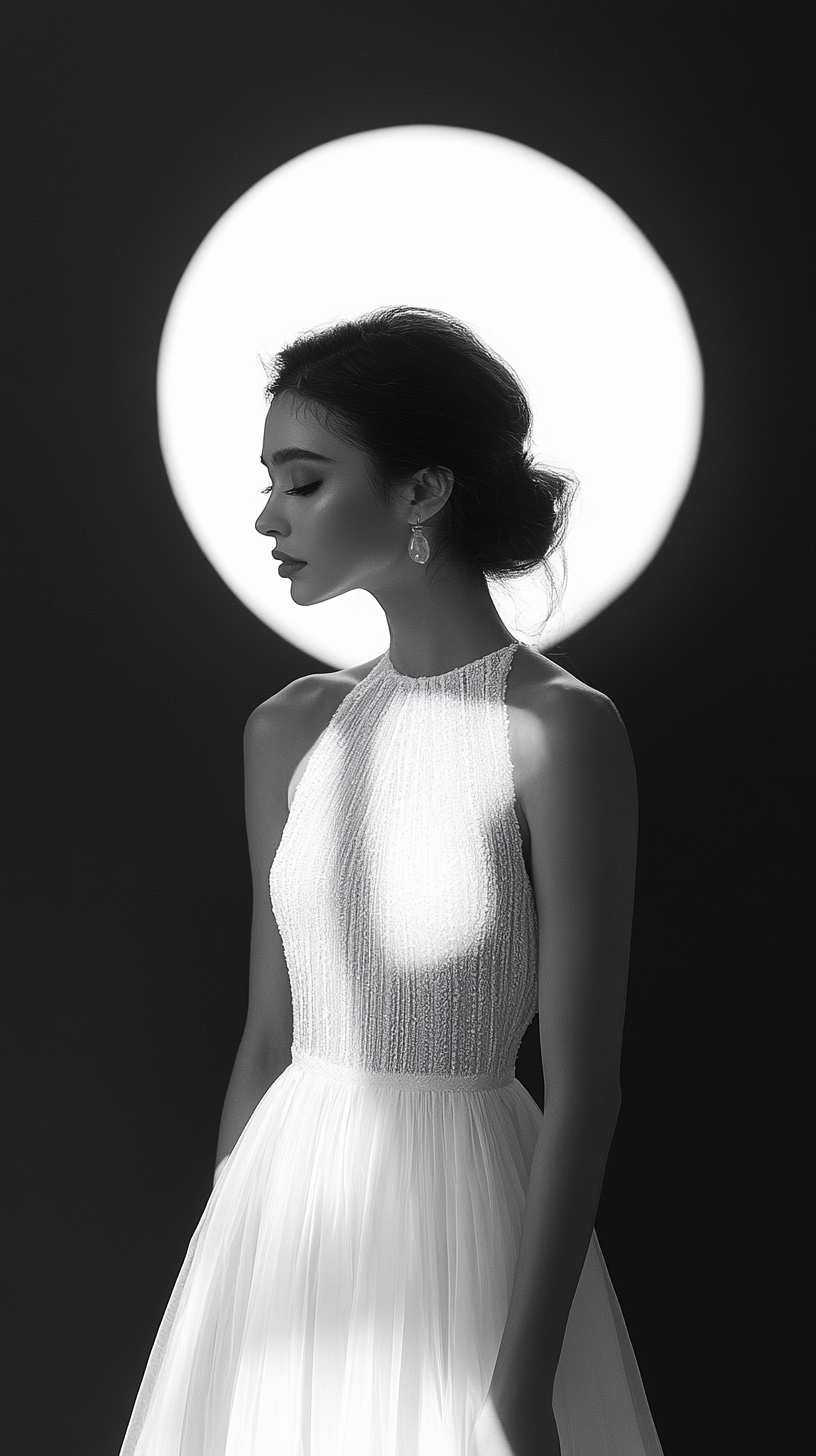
305, 593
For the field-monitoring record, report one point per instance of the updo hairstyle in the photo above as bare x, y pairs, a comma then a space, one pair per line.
415, 387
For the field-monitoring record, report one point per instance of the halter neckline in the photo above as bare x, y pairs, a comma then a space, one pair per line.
453, 672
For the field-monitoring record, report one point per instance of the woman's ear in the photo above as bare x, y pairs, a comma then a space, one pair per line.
430, 487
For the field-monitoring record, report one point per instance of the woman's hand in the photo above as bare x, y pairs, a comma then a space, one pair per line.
490, 1437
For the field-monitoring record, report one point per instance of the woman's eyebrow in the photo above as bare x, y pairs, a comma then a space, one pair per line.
293, 452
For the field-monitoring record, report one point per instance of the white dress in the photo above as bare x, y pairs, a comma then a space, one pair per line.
347, 1286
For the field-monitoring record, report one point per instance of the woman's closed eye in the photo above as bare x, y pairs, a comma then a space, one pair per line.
297, 489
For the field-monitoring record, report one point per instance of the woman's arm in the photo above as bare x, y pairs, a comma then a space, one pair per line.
265, 1047
581, 804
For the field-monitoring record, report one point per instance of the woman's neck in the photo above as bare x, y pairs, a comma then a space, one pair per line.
441, 622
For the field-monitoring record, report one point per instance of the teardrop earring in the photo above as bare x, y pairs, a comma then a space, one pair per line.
418, 548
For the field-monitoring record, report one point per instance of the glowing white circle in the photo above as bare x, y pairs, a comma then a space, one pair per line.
546, 269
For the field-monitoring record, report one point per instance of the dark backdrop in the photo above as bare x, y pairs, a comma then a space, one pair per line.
134, 668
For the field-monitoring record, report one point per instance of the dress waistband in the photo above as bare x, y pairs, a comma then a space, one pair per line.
410, 1081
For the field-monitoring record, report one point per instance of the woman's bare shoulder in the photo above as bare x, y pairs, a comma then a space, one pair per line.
300, 710
552, 705
537, 680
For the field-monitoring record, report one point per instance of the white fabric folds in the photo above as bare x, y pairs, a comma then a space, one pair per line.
345, 1291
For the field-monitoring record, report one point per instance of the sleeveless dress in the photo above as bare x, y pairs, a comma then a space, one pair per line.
346, 1289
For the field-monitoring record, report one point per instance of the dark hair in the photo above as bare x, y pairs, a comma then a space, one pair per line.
414, 387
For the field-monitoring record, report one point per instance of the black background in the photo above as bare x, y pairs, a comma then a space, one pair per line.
133, 668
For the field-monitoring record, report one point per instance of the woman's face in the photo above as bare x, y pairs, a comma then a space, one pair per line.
323, 510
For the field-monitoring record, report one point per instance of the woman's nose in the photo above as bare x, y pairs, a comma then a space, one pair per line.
266, 524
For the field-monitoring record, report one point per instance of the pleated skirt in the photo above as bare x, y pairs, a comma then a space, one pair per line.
346, 1289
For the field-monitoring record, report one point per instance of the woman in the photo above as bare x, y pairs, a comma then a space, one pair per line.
398, 1256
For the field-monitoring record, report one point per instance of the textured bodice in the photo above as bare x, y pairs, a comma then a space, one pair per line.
399, 886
